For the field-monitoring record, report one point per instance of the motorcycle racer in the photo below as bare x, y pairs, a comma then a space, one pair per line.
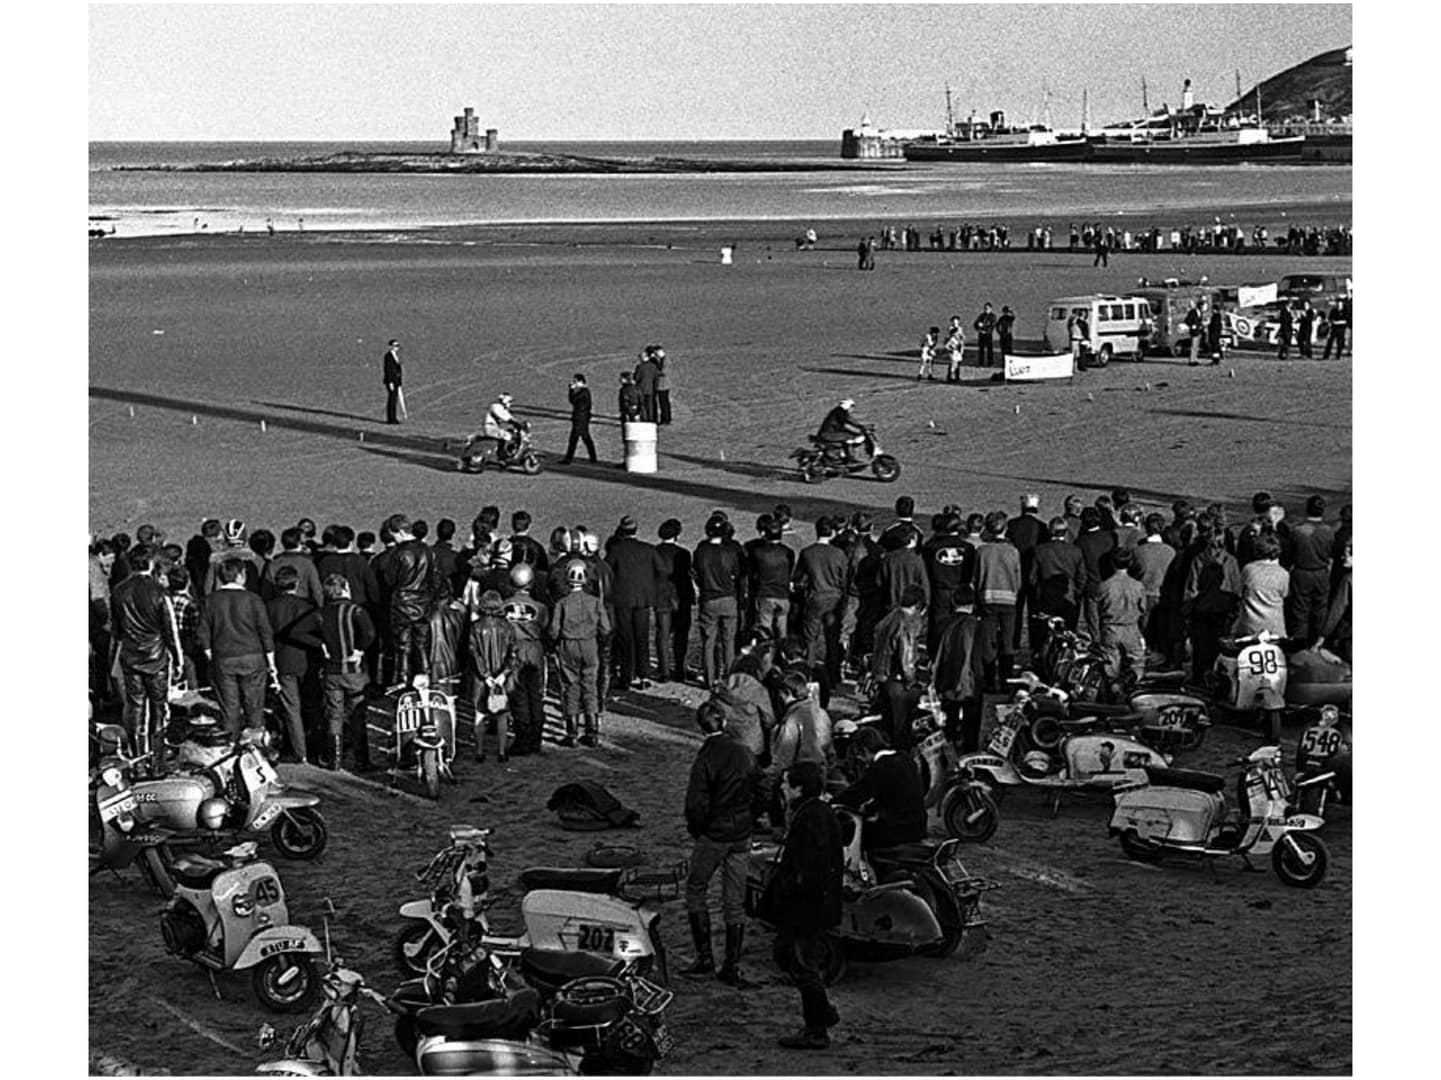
839, 429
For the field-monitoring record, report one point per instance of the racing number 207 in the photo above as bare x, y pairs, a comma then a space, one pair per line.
596, 938
1261, 661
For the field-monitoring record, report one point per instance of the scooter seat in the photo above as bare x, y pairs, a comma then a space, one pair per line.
506, 1018
572, 879
553, 968
915, 854
1109, 719
1186, 778
196, 871
1092, 708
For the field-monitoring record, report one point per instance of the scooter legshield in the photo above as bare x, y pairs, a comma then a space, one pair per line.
490, 1057
292, 1067
277, 939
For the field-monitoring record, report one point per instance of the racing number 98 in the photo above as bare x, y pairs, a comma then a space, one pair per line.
1262, 661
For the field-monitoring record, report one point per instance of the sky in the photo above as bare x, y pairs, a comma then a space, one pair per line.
363, 72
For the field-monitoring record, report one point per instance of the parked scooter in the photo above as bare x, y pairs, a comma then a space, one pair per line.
120, 838
819, 460
1164, 713
564, 909
236, 793
230, 915
1177, 811
422, 726
1085, 754
1323, 752
1250, 677
910, 899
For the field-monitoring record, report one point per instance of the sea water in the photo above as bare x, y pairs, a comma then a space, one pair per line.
147, 203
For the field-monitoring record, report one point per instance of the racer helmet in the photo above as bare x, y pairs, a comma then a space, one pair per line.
235, 531
521, 575
575, 574
491, 603
421, 681
211, 813
589, 543
847, 403
505, 399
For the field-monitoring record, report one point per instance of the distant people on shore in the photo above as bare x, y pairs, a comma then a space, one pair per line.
1101, 241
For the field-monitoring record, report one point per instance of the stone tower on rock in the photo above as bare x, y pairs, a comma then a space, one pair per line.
465, 137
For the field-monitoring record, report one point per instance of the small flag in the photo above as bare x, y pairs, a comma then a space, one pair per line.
262, 425
1018, 410
132, 412
194, 419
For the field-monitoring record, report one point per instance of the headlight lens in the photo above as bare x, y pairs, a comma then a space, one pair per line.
243, 905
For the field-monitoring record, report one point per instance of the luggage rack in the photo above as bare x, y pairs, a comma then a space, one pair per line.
652, 884
956, 874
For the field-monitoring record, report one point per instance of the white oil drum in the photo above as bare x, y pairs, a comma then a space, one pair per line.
640, 446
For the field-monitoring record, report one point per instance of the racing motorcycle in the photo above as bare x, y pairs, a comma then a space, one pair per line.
228, 791
820, 460
229, 914
1182, 812
564, 909
1032, 745
517, 453
896, 902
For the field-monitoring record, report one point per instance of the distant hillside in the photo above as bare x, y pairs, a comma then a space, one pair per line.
1288, 96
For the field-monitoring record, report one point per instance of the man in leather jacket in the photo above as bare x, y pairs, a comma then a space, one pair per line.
839, 428
149, 642
410, 577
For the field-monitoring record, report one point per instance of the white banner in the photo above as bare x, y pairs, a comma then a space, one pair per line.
1032, 368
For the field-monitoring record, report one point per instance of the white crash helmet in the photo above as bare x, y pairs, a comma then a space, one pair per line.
575, 574
505, 399
847, 403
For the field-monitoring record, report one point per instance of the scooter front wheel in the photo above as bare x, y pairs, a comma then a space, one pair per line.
1300, 859
970, 813
286, 982
300, 833
886, 468
430, 772
413, 947
154, 866
832, 958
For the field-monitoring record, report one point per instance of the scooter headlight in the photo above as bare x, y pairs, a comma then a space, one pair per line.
243, 905
1330, 714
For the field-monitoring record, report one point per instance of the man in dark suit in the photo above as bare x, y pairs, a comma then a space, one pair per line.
1057, 576
675, 600
821, 578
391, 378
646, 374
803, 899
638, 570
409, 575
957, 672
1026, 532
985, 327
580, 407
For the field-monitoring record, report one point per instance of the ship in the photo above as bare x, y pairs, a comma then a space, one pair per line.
992, 139
1196, 134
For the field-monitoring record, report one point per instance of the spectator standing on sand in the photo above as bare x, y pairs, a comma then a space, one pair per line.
1212, 592
998, 584
985, 327
1311, 544
342, 631
863, 251
1120, 606
1305, 329
718, 569
580, 409
1195, 323
1005, 329
390, 377
236, 636
1214, 342
899, 638
1095, 545
235, 546
628, 399
293, 555
1285, 332
148, 642
803, 900
955, 349
1264, 587
1151, 561
638, 570
662, 387
770, 564
927, 369
1026, 533
285, 611
527, 617
957, 674
410, 578
1058, 574
646, 373
576, 624
820, 579
675, 601
493, 664
718, 815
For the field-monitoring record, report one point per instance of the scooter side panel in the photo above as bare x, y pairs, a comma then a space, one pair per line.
586, 922
889, 916
489, 1057
173, 801
1165, 813
1107, 759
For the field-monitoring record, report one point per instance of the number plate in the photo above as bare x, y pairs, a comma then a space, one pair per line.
600, 939
121, 803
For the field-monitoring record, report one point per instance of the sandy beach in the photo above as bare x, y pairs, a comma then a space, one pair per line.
205, 338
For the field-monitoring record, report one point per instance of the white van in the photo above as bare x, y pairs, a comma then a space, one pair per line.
1119, 325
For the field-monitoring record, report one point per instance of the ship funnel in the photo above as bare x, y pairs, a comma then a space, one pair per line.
998, 119
1187, 99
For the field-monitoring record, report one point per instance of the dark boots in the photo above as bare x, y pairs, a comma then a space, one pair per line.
700, 933
818, 1014
592, 730
337, 745
569, 739
730, 972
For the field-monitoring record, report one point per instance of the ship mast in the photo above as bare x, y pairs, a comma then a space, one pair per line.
1046, 109
1145, 102
1085, 111
950, 119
